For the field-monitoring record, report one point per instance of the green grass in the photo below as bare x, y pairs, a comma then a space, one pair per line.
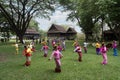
41, 69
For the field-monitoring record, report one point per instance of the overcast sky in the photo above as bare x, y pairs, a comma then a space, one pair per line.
58, 18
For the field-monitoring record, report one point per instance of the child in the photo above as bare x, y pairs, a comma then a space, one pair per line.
43, 42
45, 49
79, 51
28, 53
63, 44
114, 45
85, 46
97, 48
57, 56
53, 43
103, 50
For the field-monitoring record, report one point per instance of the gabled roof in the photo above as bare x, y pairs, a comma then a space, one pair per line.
56, 29
71, 30
31, 31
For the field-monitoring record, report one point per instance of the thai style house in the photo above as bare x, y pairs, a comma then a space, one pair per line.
57, 31
31, 33
71, 33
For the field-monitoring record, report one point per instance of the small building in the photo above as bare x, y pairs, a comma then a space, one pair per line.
109, 35
31, 33
56, 31
71, 33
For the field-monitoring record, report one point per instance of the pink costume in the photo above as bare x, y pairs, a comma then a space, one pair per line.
79, 51
57, 56
53, 43
45, 49
104, 54
59, 48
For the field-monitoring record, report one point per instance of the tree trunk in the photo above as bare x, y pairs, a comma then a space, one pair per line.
20, 38
86, 37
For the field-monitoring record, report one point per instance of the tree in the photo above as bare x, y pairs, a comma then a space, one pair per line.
34, 24
111, 11
84, 11
20, 12
4, 28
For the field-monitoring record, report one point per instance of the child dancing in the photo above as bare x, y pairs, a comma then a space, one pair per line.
79, 51
103, 50
85, 46
114, 45
97, 48
57, 56
45, 49
28, 53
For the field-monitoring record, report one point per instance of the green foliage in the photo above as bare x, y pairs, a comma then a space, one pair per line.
20, 12
41, 69
34, 24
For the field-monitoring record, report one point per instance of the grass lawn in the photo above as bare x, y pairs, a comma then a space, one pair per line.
11, 65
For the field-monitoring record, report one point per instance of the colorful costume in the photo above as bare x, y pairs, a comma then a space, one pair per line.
104, 54
43, 42
28, 53
59, 48
97, 48
45, 49
114, 45
63, 45
53, 43
79, 51
57, 56
32, 47
85, 47
75, 44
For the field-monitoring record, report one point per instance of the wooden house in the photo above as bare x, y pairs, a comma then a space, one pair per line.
71, 34
31, 33
57, 31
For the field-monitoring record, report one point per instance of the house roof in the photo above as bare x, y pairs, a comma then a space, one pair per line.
71, 30
31, 31
56, 29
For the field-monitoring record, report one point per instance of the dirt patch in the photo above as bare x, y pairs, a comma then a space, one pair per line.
3, 57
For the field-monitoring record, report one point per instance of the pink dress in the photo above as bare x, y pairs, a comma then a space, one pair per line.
59, 48
79, 51
57, 55
104, 54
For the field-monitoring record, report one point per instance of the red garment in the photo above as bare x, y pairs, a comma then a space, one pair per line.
26, 53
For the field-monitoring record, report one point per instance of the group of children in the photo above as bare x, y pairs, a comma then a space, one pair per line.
57, 52
102, 49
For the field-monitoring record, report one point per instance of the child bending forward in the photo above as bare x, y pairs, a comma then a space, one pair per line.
79, 51
57, 56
